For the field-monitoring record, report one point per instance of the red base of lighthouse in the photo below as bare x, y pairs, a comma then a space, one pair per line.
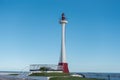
64, 67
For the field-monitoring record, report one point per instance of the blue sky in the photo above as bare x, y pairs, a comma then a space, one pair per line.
30, 33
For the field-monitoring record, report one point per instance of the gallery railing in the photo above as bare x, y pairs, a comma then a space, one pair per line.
49, 67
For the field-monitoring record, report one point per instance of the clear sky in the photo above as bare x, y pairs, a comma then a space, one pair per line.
30, 33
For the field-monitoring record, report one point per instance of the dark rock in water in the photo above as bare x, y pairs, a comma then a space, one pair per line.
82, 75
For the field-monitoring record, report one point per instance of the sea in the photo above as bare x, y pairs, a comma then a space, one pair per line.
105, 76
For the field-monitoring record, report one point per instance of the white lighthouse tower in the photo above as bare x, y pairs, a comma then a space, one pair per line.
62, 61
62, 65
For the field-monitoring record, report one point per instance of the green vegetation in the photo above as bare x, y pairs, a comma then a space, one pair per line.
72, 78
50, 74
43, 69
61, 76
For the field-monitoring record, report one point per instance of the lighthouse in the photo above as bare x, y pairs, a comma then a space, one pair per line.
62, 61
62, 65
